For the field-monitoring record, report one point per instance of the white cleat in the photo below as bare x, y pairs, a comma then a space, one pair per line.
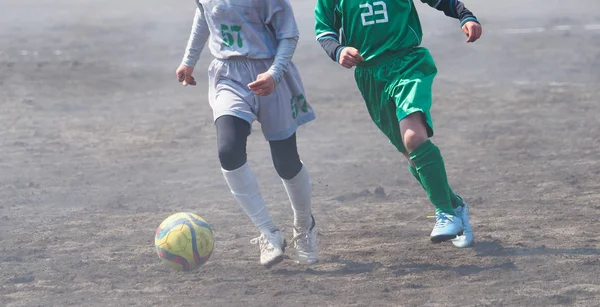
447, 227
467, 238
272, 245
305, 244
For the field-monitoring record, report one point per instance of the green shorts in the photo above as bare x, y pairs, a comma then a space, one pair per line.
396, 86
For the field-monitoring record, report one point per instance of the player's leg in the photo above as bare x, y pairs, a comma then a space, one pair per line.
386, 91
232, 134
280, 114
295, 178
427, 161
233, 112
431, 170
456, 200
412, 93
460, 207
389, 96
296, 181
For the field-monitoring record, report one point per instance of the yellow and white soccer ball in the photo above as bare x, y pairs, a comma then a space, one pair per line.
184, 241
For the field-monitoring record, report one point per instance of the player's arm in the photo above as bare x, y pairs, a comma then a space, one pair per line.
285, 51
453, 8
265, 82
327, 27
198, 37
281, 19
456, 9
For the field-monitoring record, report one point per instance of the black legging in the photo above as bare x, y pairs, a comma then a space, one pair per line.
232, 135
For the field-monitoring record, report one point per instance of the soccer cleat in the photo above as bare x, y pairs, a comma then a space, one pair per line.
272, 245
305, 244
446, 227
467, 238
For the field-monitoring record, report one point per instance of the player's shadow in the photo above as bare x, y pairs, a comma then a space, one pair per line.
336, 266
462, 270
348, 267
342, 267
494, 248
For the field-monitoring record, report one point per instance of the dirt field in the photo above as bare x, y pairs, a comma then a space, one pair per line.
99, 143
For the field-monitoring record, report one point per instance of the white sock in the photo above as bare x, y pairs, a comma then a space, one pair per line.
244, 188
300, 192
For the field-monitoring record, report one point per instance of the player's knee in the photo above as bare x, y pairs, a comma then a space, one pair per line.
287, 167
232, 133
413, 139
414, 130
231, 156
285, 157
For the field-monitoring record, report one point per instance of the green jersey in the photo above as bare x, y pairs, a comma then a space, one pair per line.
374, 27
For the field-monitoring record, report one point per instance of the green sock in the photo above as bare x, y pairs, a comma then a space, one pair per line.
456, 200
430, 168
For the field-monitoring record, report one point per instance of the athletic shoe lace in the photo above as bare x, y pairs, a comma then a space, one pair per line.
302, 240
263, 242
442, 219
305, 241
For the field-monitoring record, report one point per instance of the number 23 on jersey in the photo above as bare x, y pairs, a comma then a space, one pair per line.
372, 13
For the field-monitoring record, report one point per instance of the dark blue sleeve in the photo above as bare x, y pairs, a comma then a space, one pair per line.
331, 45
455, 9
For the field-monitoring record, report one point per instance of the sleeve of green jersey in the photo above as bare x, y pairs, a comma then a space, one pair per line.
432, 3
327, 19
453, 8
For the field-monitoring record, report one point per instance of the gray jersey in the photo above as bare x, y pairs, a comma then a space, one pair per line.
247, 28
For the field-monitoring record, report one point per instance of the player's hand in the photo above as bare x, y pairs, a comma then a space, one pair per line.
264, 84
184, 75
473, 31
350, 57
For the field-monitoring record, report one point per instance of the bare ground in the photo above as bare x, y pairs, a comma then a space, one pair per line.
99, 144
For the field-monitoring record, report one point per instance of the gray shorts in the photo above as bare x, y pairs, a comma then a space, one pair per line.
279, 114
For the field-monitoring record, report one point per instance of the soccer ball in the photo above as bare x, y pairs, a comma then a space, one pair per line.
184, 241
